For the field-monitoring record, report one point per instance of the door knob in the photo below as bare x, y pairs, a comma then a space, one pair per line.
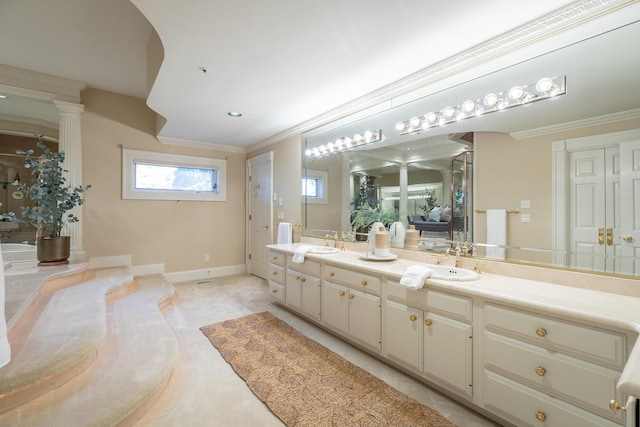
601, 236
627, 238
609, 236
265, 227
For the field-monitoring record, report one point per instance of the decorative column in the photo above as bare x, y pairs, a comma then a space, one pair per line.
70, 142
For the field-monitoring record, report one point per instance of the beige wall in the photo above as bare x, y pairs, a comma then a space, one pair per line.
509, 170
177, 234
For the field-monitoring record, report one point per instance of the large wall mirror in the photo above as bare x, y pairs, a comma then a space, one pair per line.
530, 161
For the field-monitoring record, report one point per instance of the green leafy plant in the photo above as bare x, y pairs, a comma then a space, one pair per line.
49, 190
388, 216
364, 216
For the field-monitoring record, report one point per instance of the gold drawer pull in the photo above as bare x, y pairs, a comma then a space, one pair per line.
413, 318
541, 371
303, 280
298, 277
616, 406
275, 258
331, 274
275, 273
350, 296
428, 322
363, 283
541, 332
341, 293
541, 416
275, 291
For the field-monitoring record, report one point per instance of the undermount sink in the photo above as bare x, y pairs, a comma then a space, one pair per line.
323, 250
443, 272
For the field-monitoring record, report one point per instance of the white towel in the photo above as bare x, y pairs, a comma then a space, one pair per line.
298, 256
284, 233
496, 233
5, 348
415, 276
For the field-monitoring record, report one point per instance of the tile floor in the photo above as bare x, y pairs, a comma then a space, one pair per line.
205, 391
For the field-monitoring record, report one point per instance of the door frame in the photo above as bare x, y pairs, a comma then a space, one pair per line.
560, 191
268, 156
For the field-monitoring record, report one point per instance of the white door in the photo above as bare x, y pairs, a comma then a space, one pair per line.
630, 207
259, 192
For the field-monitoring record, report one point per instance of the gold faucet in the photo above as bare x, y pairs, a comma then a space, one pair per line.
457, 250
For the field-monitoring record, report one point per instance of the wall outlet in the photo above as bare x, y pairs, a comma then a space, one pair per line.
206, 257
525, 218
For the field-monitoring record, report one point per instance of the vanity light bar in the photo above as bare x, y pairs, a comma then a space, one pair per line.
346, 143
547, 87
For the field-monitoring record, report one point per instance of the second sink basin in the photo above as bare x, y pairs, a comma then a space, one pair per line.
442, 272
323, 250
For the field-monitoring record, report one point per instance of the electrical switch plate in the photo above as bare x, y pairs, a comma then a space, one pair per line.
525, 218
206, 257
280, 201
525, 204
275, 197
280, 215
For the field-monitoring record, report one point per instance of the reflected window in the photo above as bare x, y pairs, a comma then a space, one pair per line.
314, 187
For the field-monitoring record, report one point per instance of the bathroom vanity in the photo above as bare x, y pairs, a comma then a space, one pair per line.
522, 351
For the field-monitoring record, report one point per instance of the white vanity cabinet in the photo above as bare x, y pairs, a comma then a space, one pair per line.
540, 370
351, 305
430, 332
303, 287
276, 275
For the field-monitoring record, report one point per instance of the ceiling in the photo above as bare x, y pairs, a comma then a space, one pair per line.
281, 64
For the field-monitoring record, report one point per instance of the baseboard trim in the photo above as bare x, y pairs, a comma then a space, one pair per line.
192, 275
110, 261
147, 270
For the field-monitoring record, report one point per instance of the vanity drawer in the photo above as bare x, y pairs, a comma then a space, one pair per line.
583, 341
277, 258
451, 305
354, 279
308, 267
277, 291
525, 406
276, 273
592, 386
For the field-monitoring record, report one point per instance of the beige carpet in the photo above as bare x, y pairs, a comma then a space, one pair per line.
306, 384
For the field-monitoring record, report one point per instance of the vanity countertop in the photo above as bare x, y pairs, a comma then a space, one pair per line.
591, 306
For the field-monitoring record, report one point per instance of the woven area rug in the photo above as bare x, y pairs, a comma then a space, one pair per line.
306, 384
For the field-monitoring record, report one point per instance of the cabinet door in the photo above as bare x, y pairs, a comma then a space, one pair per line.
364, 318
447, 351
335, 307
403, 334
293, 286
311, 297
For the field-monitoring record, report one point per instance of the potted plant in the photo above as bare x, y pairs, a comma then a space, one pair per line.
363, 217
53, 199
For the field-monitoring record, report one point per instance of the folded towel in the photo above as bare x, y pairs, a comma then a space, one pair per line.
284, 233
298, 256
415, 276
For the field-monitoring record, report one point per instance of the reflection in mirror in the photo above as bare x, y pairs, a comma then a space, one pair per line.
522, 162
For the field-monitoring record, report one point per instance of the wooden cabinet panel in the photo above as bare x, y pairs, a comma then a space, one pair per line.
364, 318
403, 334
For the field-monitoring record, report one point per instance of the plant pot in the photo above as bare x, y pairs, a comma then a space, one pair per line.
53, 250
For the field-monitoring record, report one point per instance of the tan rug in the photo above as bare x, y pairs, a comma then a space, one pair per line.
306, 384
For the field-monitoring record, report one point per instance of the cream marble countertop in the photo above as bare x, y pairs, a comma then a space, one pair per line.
591, 306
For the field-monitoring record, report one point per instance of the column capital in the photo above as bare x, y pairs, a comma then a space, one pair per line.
65, 107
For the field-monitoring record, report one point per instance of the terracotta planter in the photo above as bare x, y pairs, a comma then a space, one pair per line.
53, 250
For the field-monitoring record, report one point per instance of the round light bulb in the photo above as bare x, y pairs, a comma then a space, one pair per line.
346, 141
516, 93
368, 135
400, 126
330, 145
308, 152
544, 85
431, 117
449, 112
356, 138
468, 106
414, 122
491, 100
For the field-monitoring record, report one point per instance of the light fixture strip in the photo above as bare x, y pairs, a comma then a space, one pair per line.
346, 143
545, 88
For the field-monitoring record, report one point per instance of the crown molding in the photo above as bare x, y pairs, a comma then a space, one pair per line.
201, 145
32, 84
552, 24
578, 124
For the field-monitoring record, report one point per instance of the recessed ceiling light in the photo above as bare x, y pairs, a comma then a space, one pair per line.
234, 114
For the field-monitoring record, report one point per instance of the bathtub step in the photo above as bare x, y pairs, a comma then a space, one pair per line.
61, 338
133, 366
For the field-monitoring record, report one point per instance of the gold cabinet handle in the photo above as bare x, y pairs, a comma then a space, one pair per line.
331, 274
540, 371
363, 283
303, 280
601, 236
413, 318
541, 332
616, 406
275, 291
350, 296
428, 322
275, 273
609, 236
627, 238
298, 277
341, 293
541, 416
275, 258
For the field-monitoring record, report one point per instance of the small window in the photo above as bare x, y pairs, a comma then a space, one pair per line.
314, 187
160, 176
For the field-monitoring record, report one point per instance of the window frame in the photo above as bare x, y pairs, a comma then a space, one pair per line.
323, 178
131, 157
